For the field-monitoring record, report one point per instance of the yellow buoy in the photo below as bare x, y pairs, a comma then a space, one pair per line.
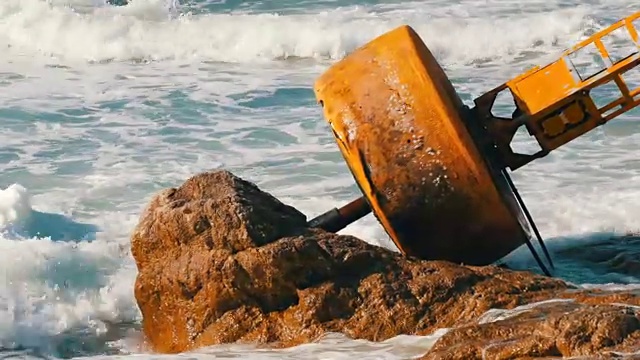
432, 170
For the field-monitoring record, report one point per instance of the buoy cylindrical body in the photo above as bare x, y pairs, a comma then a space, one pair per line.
400, 127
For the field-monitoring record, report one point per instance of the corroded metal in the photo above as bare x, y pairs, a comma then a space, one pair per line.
336, 219
402, 131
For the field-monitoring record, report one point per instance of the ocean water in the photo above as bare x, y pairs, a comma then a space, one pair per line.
101, 107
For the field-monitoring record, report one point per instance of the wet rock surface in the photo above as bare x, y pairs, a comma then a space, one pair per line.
553, 329
221, 261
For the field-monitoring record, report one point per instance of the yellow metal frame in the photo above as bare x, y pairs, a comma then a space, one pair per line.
555, 103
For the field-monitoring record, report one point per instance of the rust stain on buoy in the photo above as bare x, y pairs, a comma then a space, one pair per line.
401, 129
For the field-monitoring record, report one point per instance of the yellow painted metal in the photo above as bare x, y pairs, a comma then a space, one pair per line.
432, 170
401, 128
556, 102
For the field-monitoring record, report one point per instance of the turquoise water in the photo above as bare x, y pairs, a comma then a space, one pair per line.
103, 106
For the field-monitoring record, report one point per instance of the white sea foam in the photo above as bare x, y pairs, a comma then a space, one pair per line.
147, 30
54, 286
15, 206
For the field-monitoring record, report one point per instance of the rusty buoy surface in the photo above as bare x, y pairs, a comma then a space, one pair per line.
400, 126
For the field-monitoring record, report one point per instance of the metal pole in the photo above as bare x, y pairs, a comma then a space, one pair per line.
335, 219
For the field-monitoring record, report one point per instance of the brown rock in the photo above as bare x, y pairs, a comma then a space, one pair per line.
214, 210
554, 329
221, 261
